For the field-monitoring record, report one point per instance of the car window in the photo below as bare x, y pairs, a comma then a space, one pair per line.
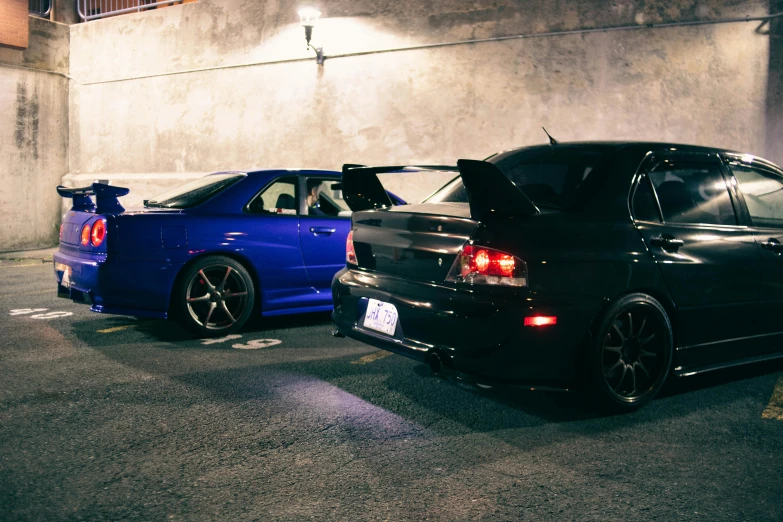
325, 198
277, 198
550, 177
194, 192
692, 192
644, 206
763, 193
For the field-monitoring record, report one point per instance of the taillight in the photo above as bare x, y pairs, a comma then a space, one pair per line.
540, 320
350, 252
98, 233
85, 235
478, 265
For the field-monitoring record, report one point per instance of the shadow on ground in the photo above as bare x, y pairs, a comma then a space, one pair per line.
399, 385
95, 330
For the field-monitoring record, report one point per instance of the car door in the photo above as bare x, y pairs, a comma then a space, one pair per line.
324, 224
272, 221
707, 256
761, 191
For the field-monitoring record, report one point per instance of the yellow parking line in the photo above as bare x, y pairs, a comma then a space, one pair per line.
380, 354
116, 328
774, 409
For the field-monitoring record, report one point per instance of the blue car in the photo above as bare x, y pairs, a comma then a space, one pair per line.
208, 253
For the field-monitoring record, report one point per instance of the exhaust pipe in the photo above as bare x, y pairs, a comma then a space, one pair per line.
436, 365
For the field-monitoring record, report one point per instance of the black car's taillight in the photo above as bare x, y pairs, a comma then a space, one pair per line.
350, 252
478, 265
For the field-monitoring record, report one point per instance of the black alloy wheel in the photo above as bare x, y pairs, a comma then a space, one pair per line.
214, 296
632, 353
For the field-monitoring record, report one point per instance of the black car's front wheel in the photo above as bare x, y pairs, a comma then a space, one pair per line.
214, 296
631, 354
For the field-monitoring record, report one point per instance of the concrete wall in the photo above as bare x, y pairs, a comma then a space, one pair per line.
33, 136
774, 105
65, 11
135, 121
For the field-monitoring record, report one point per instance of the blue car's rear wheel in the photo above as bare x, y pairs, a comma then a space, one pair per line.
214, 296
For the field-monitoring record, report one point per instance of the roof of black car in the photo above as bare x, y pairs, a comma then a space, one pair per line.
652, 145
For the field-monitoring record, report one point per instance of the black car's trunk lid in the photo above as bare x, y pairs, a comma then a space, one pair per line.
422, 241
412, 241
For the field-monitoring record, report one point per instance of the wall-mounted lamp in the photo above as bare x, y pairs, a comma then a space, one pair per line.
308, 17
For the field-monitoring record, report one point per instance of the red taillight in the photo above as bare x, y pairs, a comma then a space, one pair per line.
482, 261
482, 265
98, 233
350, 253
85, 235
540, 320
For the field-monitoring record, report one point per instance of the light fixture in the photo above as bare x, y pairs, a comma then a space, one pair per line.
308, 17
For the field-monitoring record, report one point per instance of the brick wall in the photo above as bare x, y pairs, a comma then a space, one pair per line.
13, 23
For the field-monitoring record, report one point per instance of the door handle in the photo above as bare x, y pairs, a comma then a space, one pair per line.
773, 245
667, 242
322, 231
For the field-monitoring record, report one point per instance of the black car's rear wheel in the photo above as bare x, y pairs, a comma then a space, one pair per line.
214, 296
631, 353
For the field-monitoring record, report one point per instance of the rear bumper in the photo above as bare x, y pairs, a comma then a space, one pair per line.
111, 286
479, 332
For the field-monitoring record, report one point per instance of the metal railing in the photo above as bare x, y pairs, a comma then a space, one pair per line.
93, 9
40, 8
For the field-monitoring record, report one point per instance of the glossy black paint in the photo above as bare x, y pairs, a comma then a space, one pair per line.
722, 289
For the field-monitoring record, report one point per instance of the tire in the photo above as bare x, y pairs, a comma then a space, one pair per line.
629, 359
213, 297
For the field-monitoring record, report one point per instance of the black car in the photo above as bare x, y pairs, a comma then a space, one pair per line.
605, 265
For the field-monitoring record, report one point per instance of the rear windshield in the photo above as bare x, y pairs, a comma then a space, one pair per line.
194, 192
550, 176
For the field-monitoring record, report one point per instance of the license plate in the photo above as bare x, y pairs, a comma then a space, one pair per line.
381, 317
66, 270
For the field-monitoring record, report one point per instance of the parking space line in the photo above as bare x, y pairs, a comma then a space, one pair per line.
774, 409
116, 329
380, 354
22, 266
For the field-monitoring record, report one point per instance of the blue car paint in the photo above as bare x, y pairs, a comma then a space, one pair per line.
292, 258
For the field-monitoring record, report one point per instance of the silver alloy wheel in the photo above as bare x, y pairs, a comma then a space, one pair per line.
216, 297
633, 355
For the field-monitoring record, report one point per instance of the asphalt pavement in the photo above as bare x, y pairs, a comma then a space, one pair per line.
114, 418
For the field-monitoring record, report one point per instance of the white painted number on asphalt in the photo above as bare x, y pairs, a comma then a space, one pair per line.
257, 343
22, 311
221, 339
51, 315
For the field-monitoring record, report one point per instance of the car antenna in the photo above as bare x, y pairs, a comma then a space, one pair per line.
552, 141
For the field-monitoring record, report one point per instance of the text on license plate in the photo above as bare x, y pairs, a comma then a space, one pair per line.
380, 316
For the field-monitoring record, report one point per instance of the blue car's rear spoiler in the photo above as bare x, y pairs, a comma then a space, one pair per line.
105, 197
490, 192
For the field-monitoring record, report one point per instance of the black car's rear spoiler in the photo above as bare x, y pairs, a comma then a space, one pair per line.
490, 192
105, 196
362, 190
